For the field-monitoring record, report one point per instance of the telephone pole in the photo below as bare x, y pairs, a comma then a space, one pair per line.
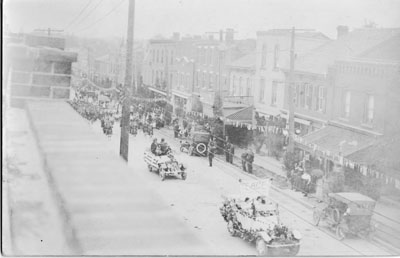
290, 94
124, 143
290, 86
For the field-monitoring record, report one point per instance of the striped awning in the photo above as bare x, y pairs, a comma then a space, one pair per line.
244, 115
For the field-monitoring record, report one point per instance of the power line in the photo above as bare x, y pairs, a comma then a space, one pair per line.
90, 12
107, 14
80, 13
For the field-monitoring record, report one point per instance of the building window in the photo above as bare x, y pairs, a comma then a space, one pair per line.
162, 56
346, 104
240, 86
316, 98
295, 95
210, 81
274, 93
369, 109
321, 99
302, 95
262, 90
264, 56
276, 56
233, 89
309, 94
248, 84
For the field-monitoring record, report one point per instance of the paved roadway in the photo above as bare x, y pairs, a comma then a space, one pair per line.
197, 201
106, 210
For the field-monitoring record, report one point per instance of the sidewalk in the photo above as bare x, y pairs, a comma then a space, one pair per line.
106, 206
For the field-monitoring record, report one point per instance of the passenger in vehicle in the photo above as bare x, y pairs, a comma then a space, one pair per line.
153, 146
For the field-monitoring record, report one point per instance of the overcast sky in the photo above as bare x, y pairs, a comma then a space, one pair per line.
197, 16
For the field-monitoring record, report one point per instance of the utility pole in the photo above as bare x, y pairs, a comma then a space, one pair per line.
49, 30
124, 143
290, 86
290, 94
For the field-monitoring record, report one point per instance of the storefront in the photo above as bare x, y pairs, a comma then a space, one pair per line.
181, 100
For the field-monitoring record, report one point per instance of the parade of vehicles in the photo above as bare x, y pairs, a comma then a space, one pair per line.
197, 145
165, 165
347, 214
260, 224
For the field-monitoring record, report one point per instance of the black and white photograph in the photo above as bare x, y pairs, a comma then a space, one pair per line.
200, 128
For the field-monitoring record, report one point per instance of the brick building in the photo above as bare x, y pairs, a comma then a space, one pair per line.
157, 65
38, 67
314, 93
273, 53
361, 103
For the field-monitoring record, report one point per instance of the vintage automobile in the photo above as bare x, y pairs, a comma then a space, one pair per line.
347, 214
260, 225
165, 165
197, 145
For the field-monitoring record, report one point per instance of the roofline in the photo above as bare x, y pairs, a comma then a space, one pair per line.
162, 41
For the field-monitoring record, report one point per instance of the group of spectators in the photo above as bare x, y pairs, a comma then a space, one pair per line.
300, 179
247, 160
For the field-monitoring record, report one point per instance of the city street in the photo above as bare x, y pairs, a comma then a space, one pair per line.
197, 201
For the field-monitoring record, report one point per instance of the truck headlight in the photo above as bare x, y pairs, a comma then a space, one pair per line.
296, 234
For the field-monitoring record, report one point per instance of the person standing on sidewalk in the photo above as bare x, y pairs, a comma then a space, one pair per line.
244, 160
306, 178
227, 149
250, 160
211, 151
231, 152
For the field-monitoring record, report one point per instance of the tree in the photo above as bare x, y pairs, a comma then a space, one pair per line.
217, 107
197, 106
218, 133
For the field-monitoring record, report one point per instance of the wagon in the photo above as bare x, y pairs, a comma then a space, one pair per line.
260, 226
347, 214
165, 165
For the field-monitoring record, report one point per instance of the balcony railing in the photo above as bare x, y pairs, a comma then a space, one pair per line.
245, 100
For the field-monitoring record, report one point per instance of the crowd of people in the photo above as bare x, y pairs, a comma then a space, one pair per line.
300, 179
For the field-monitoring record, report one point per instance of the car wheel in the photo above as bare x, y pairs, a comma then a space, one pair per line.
340, 232
261, 247
316, 217
294, 250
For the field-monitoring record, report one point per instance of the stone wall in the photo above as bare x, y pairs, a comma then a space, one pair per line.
38, 72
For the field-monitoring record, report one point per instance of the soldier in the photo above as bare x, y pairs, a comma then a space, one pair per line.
227, 149
211, 151
244, 160
250, 160
231, 152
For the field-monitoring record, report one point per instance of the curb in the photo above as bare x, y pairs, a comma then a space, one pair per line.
70, 234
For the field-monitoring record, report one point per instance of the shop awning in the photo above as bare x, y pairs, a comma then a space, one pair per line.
181, 94
270, 111
158, 91
244, 115
337, 140
297, 120
382, 156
